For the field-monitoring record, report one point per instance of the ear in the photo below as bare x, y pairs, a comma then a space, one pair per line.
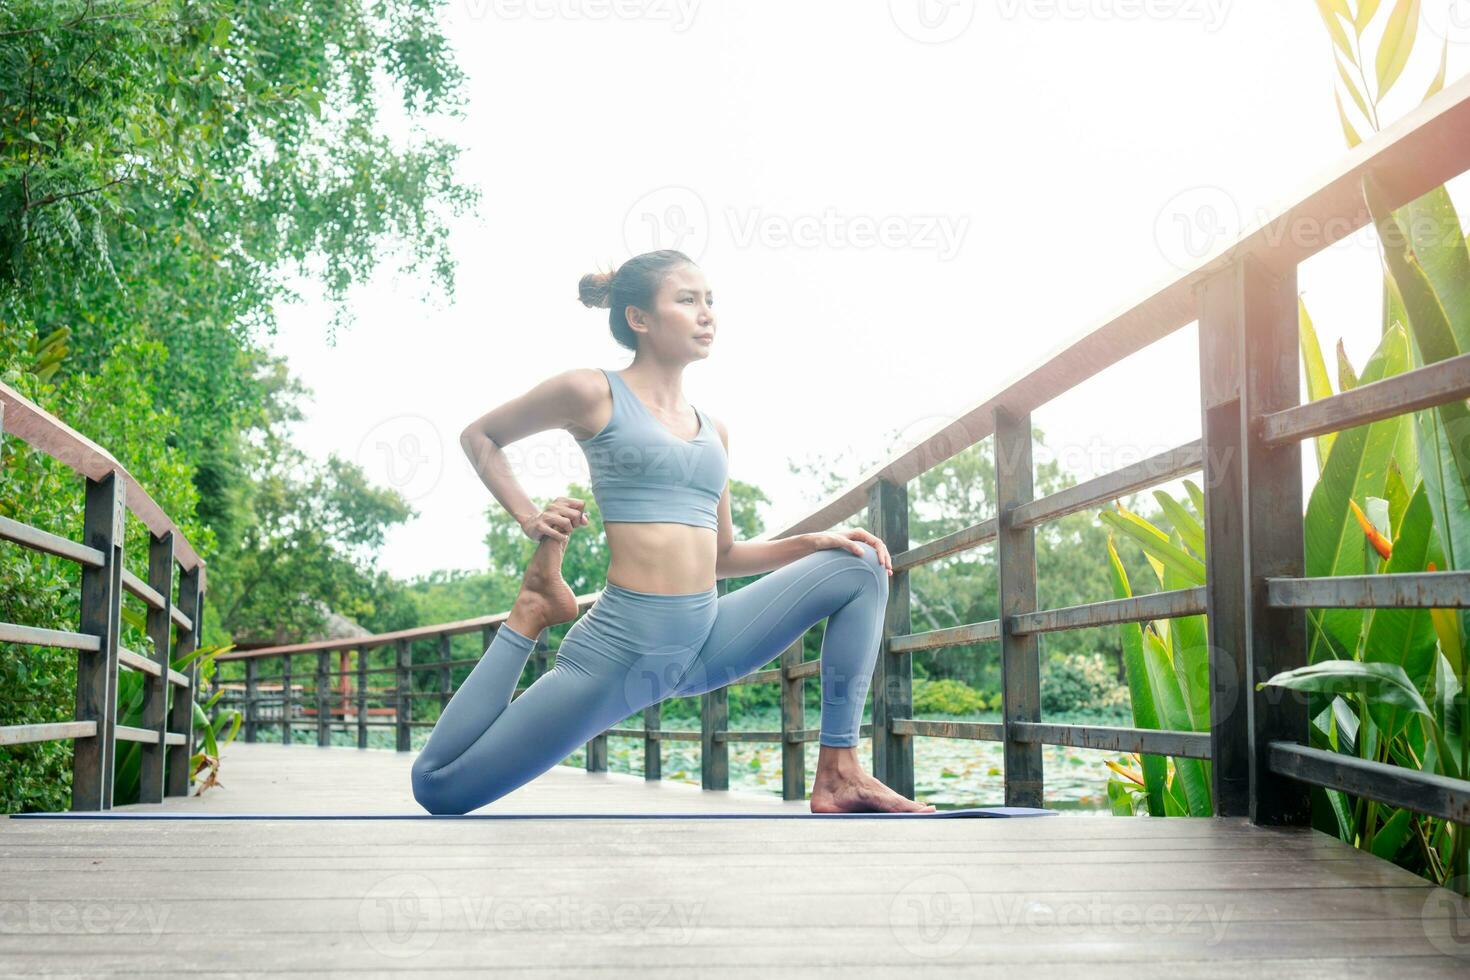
637, 319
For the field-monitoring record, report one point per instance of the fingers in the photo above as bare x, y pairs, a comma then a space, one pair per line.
573, 509
884, 558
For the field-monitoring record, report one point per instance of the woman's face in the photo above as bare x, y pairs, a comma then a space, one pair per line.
681, 326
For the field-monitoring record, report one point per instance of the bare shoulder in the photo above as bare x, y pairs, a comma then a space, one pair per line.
587, 383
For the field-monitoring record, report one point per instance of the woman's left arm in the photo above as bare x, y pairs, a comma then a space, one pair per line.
737, 558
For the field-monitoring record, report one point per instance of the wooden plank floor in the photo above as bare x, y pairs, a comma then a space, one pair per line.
1093, 896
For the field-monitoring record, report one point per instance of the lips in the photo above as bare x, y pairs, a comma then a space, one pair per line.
706, 337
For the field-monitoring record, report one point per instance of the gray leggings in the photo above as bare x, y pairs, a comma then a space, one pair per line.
633, 649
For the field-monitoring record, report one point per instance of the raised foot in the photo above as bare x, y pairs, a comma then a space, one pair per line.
861, 793
545, 598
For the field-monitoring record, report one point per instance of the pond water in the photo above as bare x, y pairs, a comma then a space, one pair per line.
948, 772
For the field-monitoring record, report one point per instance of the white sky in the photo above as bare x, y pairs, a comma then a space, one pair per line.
1032, 171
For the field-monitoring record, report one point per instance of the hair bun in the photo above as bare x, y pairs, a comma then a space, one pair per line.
595, 289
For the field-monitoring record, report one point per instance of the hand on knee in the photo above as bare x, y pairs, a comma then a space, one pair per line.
869, 557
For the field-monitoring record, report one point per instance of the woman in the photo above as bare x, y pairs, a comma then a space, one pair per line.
659, 629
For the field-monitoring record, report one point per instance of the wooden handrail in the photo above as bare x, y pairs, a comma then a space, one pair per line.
1244, 298
167, 732
1418, 153
43, 431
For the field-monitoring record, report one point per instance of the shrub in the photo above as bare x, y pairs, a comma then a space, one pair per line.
951, 697
1082, 682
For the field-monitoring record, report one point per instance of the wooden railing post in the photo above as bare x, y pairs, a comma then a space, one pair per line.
181, 712
1016, 569
893, 674
1220, 348
155, 689
714, 720
793, 722
285, 699
597, 753
323, 698
652, 747
252, 684
1272, 477
362, 697
446, 680
404, 712
101, 616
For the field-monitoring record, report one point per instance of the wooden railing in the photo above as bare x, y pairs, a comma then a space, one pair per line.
167, 731
1244, 300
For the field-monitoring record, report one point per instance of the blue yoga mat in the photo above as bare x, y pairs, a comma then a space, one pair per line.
980, 811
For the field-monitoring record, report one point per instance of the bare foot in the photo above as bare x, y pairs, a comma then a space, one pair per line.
842, 786
545, 598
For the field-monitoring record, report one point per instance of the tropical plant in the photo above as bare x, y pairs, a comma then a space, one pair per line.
213, 733
1386, 685
1166, 662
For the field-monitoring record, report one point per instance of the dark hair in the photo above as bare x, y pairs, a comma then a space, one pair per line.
634, 283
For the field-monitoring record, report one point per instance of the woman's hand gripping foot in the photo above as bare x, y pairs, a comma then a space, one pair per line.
842, 786
545, 599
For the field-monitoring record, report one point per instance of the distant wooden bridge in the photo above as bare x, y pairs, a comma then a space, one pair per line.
1109, 896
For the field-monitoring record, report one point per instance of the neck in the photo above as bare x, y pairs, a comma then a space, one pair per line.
663, 382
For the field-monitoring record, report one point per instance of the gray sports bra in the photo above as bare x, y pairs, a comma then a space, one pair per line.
642, 472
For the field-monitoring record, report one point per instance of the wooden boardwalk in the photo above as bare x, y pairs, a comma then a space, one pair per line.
1095, 896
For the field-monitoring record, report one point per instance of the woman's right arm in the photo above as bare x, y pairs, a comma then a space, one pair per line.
557, 402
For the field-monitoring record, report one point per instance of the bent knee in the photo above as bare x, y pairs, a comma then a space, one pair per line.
866, 558
871, 561
432, 793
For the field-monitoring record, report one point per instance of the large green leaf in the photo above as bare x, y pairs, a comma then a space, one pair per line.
1140, 695
1196, 497
1190, 646
1156, 544
1369, 683
1429, 271
1174, 715
1189, 530
1391, 836
1397, 494
1366, 10
1397, 43
1331, 10
1405, 636
1319, 385
1357, 468
1382, 682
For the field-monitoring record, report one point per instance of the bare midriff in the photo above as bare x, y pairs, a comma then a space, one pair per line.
667, 558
